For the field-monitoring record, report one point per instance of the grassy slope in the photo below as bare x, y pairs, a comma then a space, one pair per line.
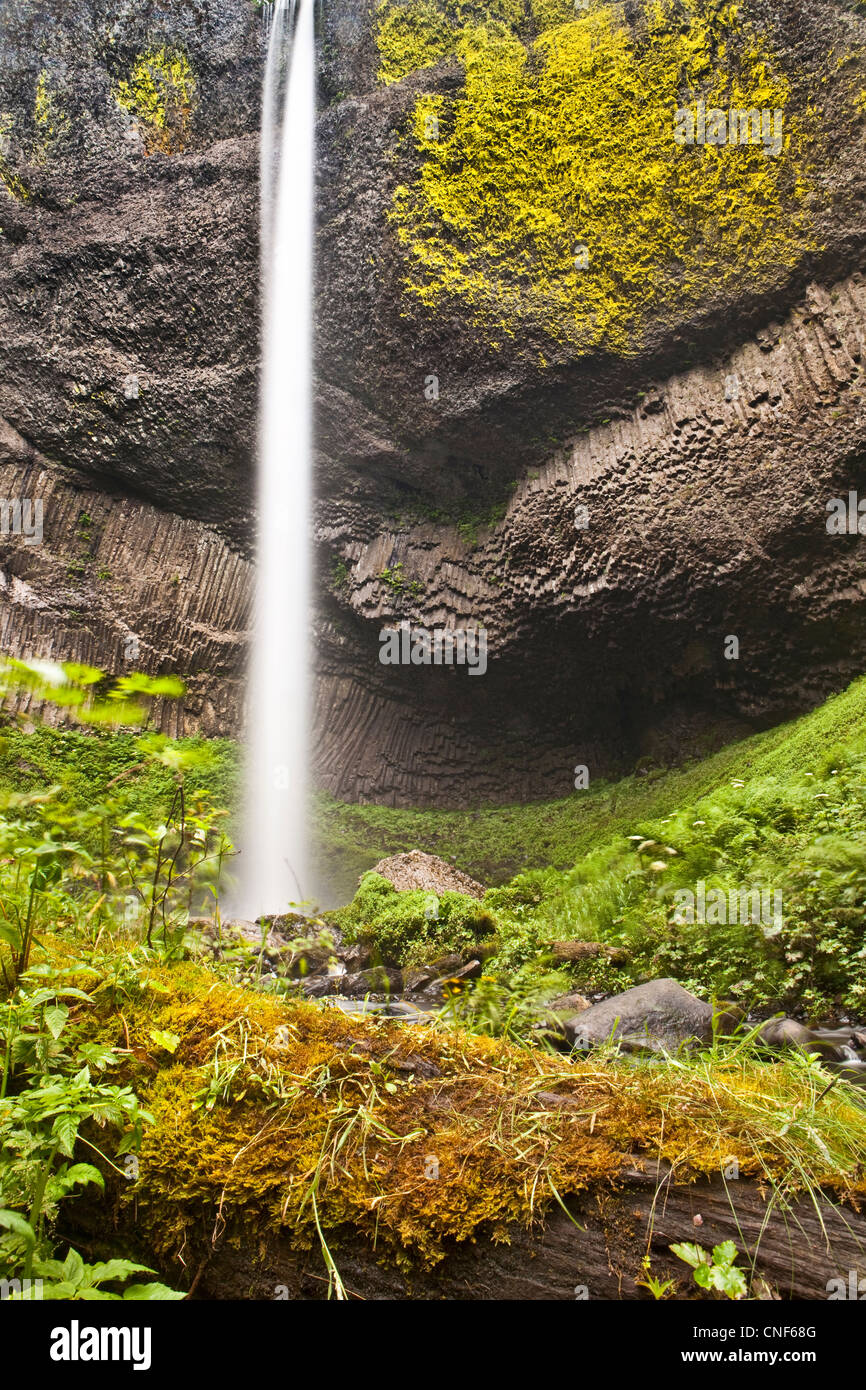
783, 813
494, 843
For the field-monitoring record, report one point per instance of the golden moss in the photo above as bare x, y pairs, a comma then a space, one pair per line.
159, 94
14, 186
271, 1117
50, 120
552, 191
411, 37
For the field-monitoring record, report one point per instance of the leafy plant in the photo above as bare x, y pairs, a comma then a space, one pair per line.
715, 1271
71, 1279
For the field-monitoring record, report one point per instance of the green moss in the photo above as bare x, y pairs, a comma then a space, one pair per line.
90, 766
784, 811
411, 928
159, 94
567, 142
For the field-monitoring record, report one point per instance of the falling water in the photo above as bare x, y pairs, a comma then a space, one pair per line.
273, 841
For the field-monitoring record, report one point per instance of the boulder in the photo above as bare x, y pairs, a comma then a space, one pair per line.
785, 1032
659, 1014
840, 1045
445, 965
416, 978
426, 873
568, 1004
376, 980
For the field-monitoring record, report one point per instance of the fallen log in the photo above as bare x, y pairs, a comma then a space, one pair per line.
594, 1250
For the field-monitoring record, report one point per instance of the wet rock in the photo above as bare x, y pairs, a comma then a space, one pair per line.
303, 959
377, 980
468, 971
445, 965
426, 873
286, 923
434, 993
356, 957
656, 1015
832, 1044
417, 978
784, 1032
321, 985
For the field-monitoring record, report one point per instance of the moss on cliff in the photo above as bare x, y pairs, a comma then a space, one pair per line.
565, 142
13, 184
49, 118
159, 94
411, 37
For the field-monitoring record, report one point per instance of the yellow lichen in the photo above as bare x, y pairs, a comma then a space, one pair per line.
159, 94
14, 186
50, 120
551, 192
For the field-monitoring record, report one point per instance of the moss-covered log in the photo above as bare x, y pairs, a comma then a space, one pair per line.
296, 1150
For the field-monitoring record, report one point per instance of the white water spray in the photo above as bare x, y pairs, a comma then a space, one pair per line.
273, 841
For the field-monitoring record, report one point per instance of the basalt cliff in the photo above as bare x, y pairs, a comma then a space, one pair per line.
576, 382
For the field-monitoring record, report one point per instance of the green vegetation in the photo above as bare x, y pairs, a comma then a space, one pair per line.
405, 929
784, 810
128, 1066
62, 867
397, 582
562, 137
283, 1117
86, 767
715, 1270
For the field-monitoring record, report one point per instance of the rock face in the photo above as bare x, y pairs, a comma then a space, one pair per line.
655, 1015
121, 584
616, 474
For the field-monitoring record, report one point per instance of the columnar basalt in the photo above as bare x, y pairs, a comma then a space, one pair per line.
609, 587
702, 431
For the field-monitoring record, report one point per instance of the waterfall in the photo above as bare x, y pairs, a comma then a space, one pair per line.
273, 840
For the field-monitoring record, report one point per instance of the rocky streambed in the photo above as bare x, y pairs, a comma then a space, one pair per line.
655, 1017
